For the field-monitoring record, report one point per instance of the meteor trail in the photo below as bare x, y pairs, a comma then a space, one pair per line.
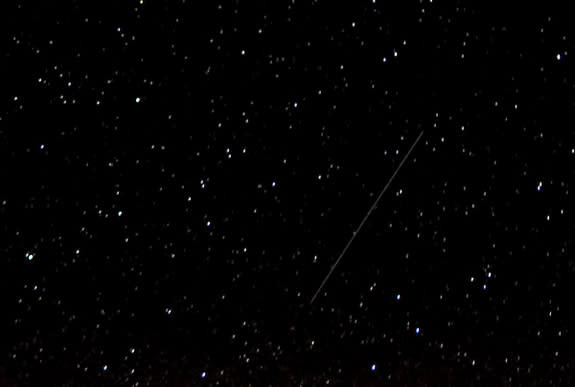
373, 207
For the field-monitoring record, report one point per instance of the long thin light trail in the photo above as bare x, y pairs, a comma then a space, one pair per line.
373, 207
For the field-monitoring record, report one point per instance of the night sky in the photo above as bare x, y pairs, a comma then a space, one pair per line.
178, 177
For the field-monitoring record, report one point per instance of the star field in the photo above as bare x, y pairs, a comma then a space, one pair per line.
177, 178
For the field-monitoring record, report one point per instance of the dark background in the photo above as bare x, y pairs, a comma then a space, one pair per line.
279, 122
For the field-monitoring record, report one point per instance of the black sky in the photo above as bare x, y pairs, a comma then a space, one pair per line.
177, 177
